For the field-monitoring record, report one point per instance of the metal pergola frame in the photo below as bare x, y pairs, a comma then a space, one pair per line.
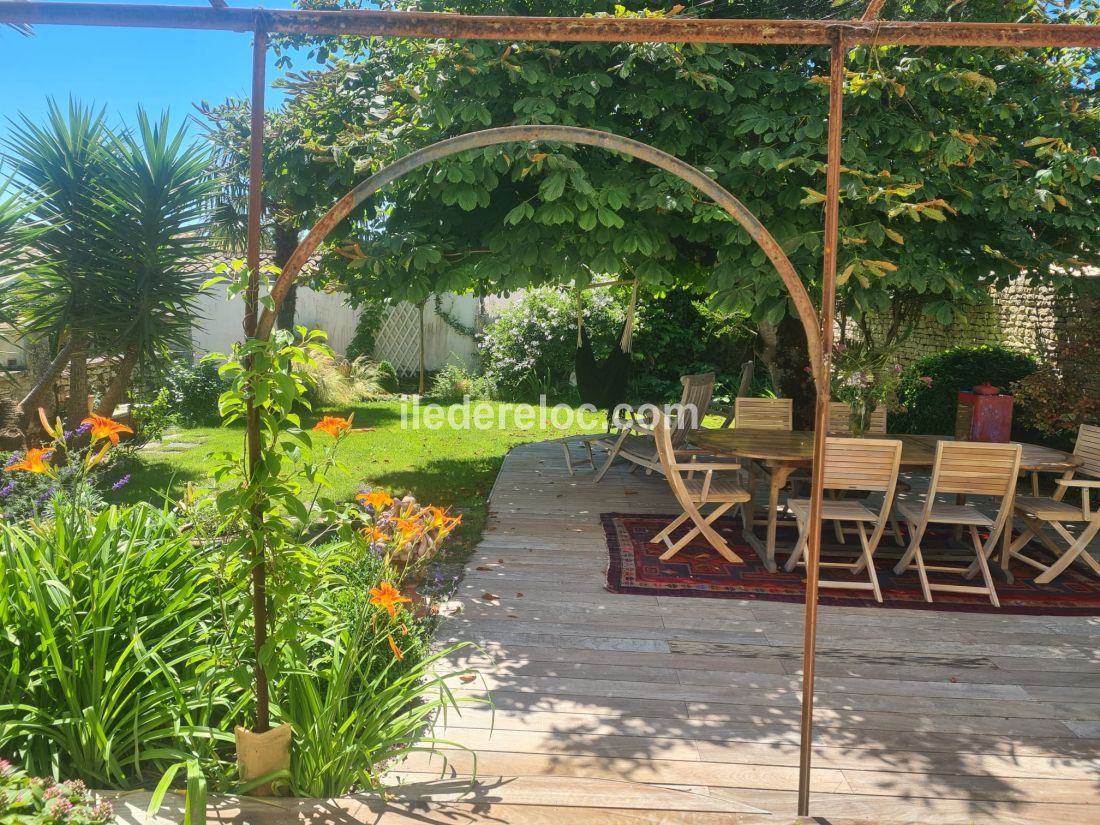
837, 34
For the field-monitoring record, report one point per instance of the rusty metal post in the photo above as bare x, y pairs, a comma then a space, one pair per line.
251, 314
821, 415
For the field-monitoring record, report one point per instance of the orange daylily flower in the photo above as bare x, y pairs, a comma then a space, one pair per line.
333, 425
34, 462
409, 528
439, 520
397, 654
103, 427
378, 499
52, 431
388, 597
374, 534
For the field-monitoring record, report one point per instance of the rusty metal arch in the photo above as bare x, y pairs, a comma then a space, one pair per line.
556, 134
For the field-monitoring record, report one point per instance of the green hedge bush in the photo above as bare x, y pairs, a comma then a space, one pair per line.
194, 391
929, 407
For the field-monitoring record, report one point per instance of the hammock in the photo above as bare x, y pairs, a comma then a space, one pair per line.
604, 385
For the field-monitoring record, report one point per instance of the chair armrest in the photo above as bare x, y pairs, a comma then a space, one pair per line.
1078, 482
625, 425
704, 466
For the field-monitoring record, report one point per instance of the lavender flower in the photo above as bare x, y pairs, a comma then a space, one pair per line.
122, 482
46, 495
14, 457
83, 428
7, 489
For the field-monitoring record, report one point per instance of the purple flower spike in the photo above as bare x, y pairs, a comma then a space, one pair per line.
83, 428
122, 482
6, 489
14, 457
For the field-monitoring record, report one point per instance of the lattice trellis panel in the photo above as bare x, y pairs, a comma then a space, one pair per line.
398, 339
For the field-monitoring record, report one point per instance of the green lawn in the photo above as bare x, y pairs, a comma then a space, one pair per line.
449, 467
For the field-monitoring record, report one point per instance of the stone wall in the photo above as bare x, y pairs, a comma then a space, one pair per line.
1020, 316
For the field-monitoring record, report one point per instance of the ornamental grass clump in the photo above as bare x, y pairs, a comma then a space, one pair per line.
110, 669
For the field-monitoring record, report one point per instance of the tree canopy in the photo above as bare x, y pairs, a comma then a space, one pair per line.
962, 166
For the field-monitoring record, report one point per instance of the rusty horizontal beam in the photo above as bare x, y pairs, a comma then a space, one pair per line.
433, 25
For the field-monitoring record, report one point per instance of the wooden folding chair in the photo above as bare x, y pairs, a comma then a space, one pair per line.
840, 423
851, 464
840, 419
763, 413
963, 468
744, 384
693, 493
1036, 512
634, 441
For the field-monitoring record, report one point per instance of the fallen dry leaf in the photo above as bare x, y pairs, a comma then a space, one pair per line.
485, 567
490, 597
469, 677
519, 595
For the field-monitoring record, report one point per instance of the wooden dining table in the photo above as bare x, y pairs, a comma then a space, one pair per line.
782, 452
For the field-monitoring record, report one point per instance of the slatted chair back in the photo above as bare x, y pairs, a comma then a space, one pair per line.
869, 464
763, 413
1087, 450
975, 468
744, 384
694, 403
840, 414
663, 431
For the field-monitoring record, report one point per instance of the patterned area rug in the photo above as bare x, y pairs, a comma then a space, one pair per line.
635, 567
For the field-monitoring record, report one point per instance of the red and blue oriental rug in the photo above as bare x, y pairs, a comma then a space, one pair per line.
634, 567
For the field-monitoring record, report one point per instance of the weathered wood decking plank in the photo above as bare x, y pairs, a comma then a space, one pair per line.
923, 716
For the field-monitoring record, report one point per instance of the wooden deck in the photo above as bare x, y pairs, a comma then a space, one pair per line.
613, 708
632, 710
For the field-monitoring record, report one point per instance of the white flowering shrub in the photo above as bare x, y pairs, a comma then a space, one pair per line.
528, 349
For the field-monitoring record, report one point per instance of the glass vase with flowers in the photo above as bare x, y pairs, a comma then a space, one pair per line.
866, 380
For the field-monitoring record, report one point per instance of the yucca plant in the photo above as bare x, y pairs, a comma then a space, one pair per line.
61, 162
123, 218
109, 666
158, 192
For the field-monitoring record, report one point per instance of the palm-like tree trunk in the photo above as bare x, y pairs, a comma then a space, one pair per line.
116, 390
37, 395
286, 241
77, 408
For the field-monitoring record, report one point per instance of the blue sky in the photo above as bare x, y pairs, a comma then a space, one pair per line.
120, 68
